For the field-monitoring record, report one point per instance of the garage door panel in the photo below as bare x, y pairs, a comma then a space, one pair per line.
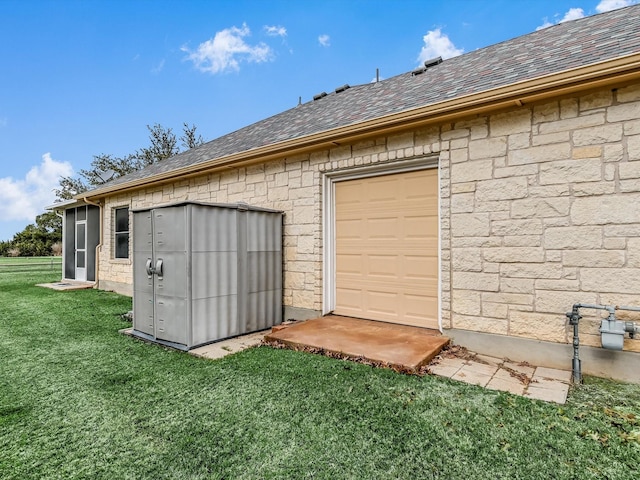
416, 306
387, 248
349, 228
350, 298
382, 303
383, 265
350, 263
381, 227
420, 227
420, 267
406, 287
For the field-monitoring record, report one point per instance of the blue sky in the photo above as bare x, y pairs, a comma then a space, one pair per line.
81, 78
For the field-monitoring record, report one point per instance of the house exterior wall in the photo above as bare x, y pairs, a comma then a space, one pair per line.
540, 208
544, 211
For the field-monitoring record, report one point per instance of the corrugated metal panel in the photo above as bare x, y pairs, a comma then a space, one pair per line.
143, 316
222, 272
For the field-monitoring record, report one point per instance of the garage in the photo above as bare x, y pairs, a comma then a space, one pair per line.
386, 248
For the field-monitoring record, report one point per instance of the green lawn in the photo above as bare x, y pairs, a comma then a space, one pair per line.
79, 400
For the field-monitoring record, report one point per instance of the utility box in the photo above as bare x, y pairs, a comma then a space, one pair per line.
205, 272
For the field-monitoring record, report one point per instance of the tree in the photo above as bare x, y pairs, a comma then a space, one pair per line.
36, 239
190, 139
163, 144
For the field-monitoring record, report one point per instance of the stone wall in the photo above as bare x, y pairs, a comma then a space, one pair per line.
540, 208
545, 212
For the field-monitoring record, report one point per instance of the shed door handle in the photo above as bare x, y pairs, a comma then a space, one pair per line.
158, 269
149, 268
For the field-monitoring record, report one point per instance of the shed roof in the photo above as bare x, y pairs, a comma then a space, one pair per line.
559, 48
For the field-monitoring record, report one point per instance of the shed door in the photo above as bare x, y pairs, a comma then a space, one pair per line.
159, 296
387, 248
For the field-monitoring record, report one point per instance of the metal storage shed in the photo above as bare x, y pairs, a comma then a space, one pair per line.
204, 272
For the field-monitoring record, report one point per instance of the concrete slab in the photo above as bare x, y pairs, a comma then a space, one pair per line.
527, 370
227, 347
549, 385
472, 376
553, 374
67, 285
481, 368
446, 367
510, 385
400, 346
554, 391
223, 347
489, 360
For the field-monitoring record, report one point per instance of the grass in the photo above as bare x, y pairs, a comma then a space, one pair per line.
79, 400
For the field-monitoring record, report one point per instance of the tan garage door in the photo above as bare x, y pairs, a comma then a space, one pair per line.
387, 248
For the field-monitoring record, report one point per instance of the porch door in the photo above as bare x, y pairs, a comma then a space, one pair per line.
81, 249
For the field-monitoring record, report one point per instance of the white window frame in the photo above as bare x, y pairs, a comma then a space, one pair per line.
115, 232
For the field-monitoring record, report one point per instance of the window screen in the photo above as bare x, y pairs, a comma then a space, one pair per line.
121, 240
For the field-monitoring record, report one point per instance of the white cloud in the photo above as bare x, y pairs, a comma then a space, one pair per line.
437, 44
572, 14
324, 40
26, 198
158, 68
546, 24
275, 31
226, 50
4, 121
608, 5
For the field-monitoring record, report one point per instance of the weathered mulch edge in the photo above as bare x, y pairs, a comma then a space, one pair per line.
449, 351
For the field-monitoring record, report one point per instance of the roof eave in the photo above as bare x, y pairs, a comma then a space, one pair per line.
63, 205
582, 78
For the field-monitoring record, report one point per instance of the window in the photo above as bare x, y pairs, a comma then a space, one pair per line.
121, 232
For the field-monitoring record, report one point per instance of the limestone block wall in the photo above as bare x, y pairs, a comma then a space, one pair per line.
290, 185
545, 212
540, 208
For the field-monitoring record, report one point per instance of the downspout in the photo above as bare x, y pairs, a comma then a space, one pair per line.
99, 246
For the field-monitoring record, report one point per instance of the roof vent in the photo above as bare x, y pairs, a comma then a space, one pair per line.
319, 96
433, 62
342, 88
418, 71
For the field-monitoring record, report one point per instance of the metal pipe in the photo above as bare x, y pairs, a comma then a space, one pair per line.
631, 309
574, 319
613, 331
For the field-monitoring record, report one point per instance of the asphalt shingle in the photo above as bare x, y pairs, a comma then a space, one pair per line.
560, 47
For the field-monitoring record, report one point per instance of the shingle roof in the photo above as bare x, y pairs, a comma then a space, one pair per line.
561, 47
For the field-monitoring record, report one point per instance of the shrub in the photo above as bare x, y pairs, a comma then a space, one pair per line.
56, 249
